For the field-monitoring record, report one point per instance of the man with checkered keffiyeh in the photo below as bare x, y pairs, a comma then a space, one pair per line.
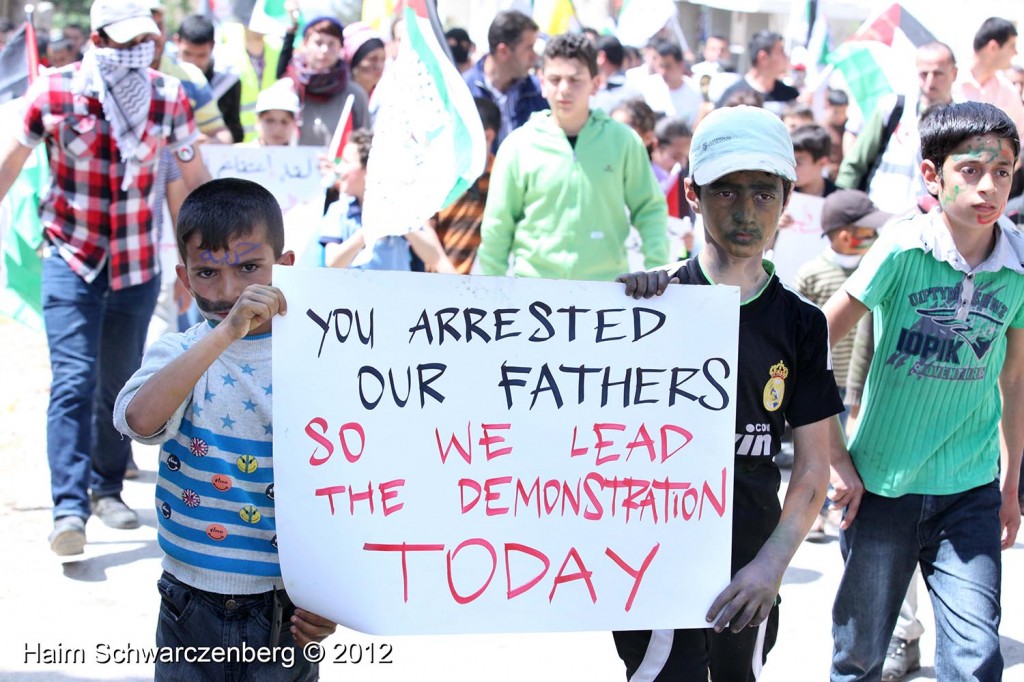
105, 122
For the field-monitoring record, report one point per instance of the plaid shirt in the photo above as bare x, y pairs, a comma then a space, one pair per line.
85, 213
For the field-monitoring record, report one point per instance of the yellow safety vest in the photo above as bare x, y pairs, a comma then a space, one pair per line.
233, 38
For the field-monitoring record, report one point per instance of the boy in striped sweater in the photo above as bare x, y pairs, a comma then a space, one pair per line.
932, 476
205, 396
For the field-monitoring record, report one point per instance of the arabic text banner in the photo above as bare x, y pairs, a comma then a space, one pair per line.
479, 454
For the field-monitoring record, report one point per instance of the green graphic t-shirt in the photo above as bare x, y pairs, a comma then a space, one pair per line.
930, 414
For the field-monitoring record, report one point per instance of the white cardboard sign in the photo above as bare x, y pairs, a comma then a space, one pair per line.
461, 454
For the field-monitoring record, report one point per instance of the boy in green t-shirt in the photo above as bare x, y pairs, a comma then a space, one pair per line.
934, 438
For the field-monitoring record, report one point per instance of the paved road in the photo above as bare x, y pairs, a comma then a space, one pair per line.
105, 602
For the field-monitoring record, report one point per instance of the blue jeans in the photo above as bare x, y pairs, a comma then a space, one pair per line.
96, 336
240, 625
955, 539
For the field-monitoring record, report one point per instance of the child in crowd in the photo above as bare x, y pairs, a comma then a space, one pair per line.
812, 145
851, 223
204, 396
277, 110
342, 233
934, 464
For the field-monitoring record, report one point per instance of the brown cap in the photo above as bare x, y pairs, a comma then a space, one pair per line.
846, 207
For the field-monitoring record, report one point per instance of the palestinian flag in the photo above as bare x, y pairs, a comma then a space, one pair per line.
19, 63
874, 59
428, 143
342, 132
21, 232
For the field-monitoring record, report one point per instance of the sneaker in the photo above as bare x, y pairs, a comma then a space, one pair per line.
112, 511
68, 536
903, 658
817, 531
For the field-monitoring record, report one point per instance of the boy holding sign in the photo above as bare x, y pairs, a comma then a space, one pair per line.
742, 173
205, 396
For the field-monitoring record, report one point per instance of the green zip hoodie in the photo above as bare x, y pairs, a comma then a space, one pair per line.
562, 212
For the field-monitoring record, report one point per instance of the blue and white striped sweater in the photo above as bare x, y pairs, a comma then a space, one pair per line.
214, 495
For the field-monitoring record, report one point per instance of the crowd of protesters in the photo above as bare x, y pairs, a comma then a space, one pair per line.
595, 149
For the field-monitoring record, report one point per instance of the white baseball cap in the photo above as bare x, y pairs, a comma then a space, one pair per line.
741, 138
279, 96
122, 20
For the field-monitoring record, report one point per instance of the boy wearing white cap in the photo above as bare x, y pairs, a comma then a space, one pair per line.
743, 170
277, 109
105, 122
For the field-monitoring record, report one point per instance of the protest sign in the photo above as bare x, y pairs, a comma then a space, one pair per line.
482, 454
292, 175
801, 240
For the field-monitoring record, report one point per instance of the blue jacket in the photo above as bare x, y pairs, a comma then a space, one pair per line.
530, 98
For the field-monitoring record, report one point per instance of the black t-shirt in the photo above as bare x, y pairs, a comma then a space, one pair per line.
780, 95
784, 368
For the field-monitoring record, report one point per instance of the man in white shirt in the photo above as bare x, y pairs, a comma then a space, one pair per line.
995, 46
669, 90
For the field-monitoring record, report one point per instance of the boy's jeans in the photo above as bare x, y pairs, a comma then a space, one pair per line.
956, 539
194, 621
96, 337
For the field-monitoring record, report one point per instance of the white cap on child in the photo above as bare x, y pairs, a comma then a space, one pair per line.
741, 138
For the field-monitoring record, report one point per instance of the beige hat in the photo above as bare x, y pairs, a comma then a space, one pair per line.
122, 20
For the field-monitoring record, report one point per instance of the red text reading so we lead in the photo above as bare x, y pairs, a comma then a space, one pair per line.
592, 496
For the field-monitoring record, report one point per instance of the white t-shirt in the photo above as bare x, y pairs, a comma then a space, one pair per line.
683, 101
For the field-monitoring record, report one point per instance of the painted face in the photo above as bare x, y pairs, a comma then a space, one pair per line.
194, 53
567, 86
217, 278
322, 50
974, 183
861, 238
741, 211
276, 127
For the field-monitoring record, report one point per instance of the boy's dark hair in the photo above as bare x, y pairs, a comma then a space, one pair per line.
762, 41
813, 139
993, 28
945, 128
641, 116
197, 30
668, 48
508, 28
222, 209
669, 128
612, 49
362, 138
490, 114
799, 110
572, 46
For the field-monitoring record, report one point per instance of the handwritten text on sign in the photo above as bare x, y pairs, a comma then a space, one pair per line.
476, 454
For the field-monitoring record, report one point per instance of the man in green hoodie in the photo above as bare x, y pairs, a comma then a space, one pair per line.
562, 184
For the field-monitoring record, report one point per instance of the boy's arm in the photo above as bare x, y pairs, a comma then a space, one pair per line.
842, 312
12, 158
427, 246
1011, 433
165, 391
748, 599
341, 255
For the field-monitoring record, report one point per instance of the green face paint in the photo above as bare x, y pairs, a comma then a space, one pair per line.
950, 196
987, 152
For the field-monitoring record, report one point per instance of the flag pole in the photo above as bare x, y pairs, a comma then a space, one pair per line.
31, 44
